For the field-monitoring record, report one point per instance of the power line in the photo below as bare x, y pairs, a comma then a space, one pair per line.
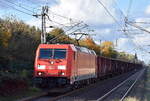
140, 22
68, 34
72, 26
68, 30
59, 15
44, 14
18, 5
119, 8
136, 45
109, 12
20, 2
126, 18
116, 20
71, 19
54, 21
32, 1
17, 9
138, 27
129, 8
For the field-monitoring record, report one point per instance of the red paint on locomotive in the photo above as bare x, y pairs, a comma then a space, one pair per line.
65, 61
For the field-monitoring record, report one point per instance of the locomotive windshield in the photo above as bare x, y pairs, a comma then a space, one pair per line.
52, 53
46, 53
59, 53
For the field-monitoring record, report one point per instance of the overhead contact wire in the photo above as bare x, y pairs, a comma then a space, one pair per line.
18, 6
17, 9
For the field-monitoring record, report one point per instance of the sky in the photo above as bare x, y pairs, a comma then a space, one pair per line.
104, 23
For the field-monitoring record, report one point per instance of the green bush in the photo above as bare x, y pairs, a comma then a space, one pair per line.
15, 79
12, 84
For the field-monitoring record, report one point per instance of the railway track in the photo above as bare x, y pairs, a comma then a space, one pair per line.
82, 94
128, 85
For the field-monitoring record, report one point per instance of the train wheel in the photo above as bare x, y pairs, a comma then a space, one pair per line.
88, 82
75, 86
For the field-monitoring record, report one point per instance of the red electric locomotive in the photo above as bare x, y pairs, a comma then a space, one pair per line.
61, 64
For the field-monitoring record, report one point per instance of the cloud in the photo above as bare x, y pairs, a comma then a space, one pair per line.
107, 34
103, 34
139, 45
125, 44
138, 41
144, 19
34, 22
147, 11
143, 39
142, 22
89, 11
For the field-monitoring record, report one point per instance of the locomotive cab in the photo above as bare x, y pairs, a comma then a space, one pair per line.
52, 63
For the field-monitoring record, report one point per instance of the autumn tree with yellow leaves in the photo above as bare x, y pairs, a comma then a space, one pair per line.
89, 43
107, 49
4, 38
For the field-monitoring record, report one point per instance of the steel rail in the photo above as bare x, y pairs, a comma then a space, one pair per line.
132, 85
119, 85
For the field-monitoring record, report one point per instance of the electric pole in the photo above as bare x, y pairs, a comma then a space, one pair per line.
43, 15
116, 42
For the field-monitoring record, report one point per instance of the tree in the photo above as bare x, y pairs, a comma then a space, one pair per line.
89, 43
107, 49
57, 31
57, 35
4, 38
126, 56
18, 40
18, 43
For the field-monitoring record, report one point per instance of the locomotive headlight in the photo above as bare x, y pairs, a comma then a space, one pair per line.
52, 62
62, 67
41, 66
62, 73
39, 73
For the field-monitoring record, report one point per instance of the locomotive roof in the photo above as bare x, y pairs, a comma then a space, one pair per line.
85, 50
75, 48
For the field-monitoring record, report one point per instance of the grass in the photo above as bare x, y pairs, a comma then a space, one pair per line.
147, 87
30, 92
131, 99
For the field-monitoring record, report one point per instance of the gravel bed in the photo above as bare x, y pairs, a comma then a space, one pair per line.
141, 91
92, 93
119, 93
89, 93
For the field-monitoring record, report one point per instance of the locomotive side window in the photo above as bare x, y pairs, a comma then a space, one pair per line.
59, 53
45, 53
